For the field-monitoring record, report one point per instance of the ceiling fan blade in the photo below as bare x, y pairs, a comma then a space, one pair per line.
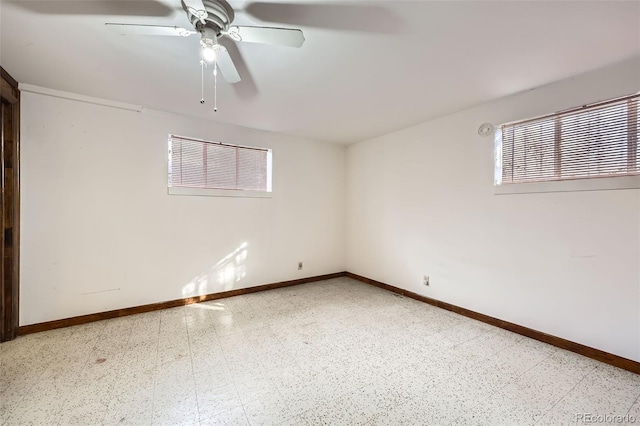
196, 8
226, 66
246, 89
153, 30
267, 35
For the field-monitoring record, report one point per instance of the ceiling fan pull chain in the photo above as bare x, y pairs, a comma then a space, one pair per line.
215, 86
202, 81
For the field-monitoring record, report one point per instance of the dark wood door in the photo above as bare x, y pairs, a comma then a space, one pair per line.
9, 206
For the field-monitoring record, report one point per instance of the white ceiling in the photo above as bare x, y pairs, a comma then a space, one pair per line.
366, 68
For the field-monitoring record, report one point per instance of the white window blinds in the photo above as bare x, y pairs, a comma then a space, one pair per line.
597, 140
195, 163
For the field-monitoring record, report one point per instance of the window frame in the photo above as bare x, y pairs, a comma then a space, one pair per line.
587, 183
218, 192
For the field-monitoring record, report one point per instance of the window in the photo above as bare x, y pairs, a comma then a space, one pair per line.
198, 167
594, 141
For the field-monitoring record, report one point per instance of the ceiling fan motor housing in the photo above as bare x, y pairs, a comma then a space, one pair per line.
219, 16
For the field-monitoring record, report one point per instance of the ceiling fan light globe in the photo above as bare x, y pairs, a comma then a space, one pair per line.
208, 54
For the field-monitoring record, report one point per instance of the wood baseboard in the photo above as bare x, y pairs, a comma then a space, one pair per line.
597, 354
83, 319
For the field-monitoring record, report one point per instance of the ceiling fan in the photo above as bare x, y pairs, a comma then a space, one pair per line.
212, 19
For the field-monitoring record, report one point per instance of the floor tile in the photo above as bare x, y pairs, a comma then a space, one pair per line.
341, 411
336, 352
270, 409
212, 402
233, 417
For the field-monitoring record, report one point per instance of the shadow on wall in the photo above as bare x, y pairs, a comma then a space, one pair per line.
222, 276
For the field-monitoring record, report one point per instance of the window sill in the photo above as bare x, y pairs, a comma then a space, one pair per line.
596, 184
218, 192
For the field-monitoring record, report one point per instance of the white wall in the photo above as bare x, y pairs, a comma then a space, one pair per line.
420, 202
99, 231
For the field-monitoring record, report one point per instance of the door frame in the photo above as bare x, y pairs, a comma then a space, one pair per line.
10, 278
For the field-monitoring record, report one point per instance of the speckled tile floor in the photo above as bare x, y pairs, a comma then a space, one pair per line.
335, 352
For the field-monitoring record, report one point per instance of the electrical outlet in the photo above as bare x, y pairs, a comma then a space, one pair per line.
299, 266
425, 280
